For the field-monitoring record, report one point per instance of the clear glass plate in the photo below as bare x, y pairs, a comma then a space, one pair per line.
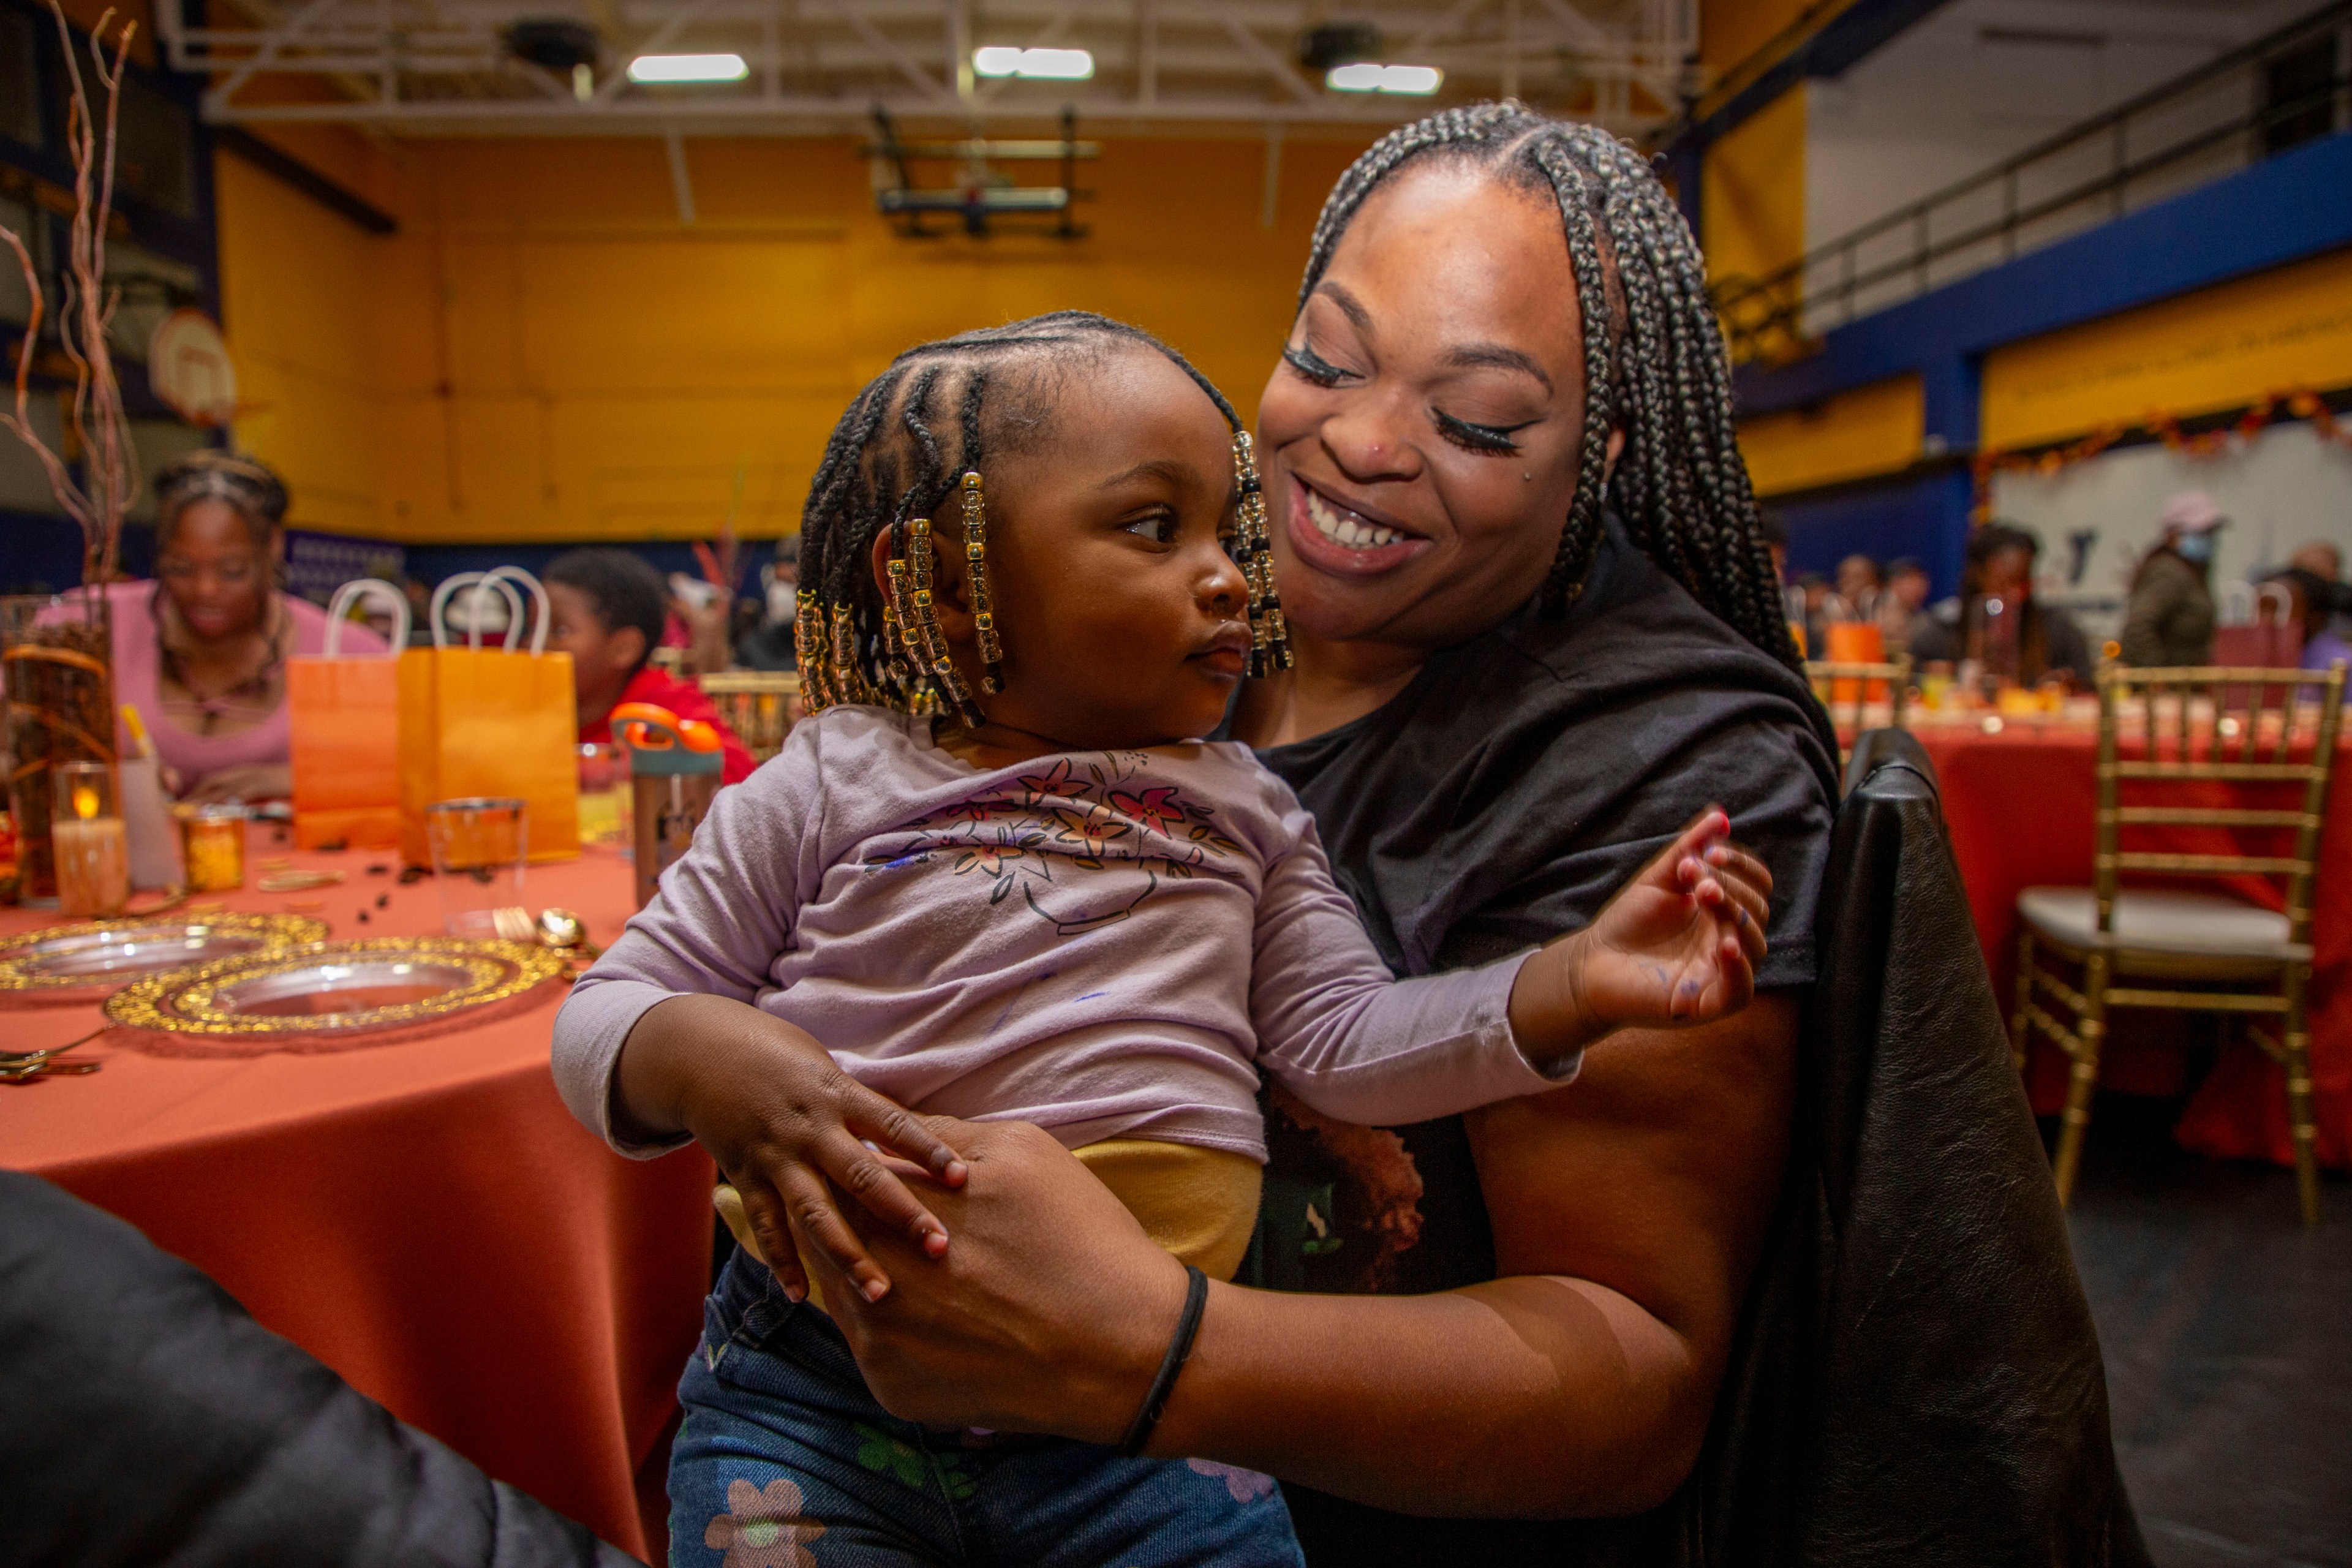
88, 960
319, 989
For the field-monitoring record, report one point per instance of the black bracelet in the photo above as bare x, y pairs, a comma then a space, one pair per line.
1180, 1349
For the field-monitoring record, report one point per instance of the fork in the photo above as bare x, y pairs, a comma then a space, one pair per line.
10, 1060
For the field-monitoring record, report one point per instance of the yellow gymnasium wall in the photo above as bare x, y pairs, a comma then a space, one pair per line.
546, 352
2216, 349
1752, 193
1871, 430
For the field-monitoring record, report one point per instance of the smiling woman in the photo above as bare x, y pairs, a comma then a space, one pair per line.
1050, 906
1534, 632
201, 651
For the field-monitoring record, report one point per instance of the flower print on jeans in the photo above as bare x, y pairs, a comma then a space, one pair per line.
1248, 1486
763, 1527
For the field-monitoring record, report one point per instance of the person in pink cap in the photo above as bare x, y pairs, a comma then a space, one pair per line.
2169, 620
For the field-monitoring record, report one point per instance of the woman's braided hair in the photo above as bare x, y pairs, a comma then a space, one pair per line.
900, 452
1654, 367
250, 488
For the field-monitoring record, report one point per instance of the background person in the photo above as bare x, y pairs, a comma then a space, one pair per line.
1999, 567
608, 607
1902, 602
769, 645
2319, 558
2312, 604
201, 651
1858, 584
1818, 599
2168, 618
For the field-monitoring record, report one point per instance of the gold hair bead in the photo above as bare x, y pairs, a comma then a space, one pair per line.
939, 663
809, 651
1253, 552
848, 679
975, 554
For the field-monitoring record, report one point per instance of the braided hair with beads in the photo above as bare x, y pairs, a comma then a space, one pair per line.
905, 448
1653, 356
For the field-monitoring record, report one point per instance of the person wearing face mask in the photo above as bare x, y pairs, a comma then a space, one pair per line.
2169, 620
201, 651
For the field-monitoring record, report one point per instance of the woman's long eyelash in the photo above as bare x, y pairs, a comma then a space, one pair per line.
1313, 366
1492, 438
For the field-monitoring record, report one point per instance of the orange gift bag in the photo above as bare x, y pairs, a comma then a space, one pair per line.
345, 717
477, 722
1856, 642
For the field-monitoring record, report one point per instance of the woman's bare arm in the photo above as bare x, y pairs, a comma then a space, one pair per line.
1628, 1210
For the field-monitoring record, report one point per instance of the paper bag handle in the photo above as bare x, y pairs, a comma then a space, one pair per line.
482, 582
504, 574
338, 610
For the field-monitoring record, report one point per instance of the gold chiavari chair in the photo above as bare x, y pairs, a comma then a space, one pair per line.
1850, 690
756, 704
2110, 946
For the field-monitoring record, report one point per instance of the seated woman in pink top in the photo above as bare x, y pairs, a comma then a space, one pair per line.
201, 651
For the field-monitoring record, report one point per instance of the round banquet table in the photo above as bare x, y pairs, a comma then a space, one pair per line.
423, 1216
2020, 804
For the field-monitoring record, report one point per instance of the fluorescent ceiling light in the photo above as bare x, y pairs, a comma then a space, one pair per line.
1049, 65
689, 68
1367, 76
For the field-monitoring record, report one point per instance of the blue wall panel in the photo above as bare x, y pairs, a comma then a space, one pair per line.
1926, 516
432, 563
2297, 205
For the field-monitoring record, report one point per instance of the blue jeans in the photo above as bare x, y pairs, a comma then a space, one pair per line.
786, 1460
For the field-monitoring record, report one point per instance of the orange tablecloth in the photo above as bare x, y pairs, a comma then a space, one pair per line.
2020, 805
425, 1218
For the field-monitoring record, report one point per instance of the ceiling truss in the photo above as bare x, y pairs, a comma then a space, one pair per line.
823, 66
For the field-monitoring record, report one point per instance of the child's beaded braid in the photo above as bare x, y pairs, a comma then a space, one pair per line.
885, 469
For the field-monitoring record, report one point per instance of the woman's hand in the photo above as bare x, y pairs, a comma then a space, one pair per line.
788, 1127
1677, 946
269, 781
1051, 1314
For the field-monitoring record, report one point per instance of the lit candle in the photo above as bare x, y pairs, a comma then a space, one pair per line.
93, 856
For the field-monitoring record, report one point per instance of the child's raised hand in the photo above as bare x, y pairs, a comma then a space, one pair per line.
1679, 944
1676, 946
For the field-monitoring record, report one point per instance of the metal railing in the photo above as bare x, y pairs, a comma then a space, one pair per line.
2206, 122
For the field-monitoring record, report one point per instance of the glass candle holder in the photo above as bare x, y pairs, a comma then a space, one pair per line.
59, 678
92, 848
212, 846
604, 803
479, 845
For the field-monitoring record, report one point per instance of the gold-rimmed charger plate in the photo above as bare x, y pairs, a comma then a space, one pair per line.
336, 989
89, 960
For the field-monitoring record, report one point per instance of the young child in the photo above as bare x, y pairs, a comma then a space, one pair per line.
1047, 903
608, 609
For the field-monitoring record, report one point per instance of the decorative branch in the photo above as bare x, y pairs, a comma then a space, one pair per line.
99, 432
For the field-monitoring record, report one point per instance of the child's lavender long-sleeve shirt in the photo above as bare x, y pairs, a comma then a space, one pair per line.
1103, 944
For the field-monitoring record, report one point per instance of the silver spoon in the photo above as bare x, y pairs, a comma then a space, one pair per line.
562, 928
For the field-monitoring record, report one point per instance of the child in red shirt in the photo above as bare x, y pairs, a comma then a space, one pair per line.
609, 606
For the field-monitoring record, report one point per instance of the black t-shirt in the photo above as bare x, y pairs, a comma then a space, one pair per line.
1495, 803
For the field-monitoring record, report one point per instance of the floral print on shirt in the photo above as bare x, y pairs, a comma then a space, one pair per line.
1083, 813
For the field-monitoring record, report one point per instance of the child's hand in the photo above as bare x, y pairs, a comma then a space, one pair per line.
1679, 944
820, 1136
791, 1131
